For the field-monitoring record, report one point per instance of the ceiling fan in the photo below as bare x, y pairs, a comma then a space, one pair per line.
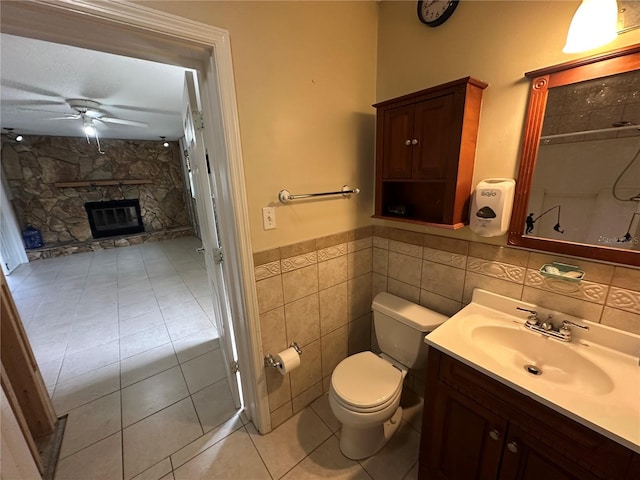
90, 111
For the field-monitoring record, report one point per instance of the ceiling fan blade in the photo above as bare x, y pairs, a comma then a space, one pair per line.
39, 110
121, 121
28, 88
23, 104
145, 109
67, 117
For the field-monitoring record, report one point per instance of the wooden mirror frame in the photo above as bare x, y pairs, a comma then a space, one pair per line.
617, 61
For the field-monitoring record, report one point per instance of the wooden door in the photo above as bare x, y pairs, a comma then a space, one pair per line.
432, 128
21, 378
527, 458
397, 137
467, 439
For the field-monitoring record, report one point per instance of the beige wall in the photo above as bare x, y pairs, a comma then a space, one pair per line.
494, 41
307, 73
305, 78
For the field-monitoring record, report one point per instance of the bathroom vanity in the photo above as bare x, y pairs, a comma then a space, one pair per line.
477, 427
487, 417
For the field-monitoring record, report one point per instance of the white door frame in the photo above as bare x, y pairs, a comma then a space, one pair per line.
178, 41
12, 252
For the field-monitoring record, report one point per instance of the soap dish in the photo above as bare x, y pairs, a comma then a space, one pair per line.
562, 271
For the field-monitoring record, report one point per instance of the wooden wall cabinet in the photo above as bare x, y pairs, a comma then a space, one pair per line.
425, 149
476, 427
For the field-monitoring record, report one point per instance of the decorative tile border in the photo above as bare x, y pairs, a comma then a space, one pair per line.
405, 248
628, 300
589, 291
503, 271
359, 244
332, 252
299, 261
446, 258
381, 242
267, 270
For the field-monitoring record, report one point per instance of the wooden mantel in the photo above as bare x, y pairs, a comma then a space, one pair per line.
100, 183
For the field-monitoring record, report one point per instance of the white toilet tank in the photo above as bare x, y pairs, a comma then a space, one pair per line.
400, 327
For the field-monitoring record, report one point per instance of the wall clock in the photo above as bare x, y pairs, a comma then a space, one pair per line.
435, 12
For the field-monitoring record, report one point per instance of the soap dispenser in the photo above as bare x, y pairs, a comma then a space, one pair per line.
491, 205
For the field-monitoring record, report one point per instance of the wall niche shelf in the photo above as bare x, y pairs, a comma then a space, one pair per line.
100, 183
425, 150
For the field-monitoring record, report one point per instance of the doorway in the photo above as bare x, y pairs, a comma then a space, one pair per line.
191, 45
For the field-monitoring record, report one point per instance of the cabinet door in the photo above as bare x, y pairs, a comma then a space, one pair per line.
398, 134
527, 458
467, 439
435, 133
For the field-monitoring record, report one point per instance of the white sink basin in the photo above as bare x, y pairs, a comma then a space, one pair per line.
532, 354
594, 379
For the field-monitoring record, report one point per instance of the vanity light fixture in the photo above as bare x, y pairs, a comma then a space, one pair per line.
593, 25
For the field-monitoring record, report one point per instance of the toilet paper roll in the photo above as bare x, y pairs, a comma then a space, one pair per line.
287, 360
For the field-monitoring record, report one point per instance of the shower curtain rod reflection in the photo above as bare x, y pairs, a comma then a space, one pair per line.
285, 195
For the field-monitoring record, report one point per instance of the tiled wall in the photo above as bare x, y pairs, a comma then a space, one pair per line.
319, 294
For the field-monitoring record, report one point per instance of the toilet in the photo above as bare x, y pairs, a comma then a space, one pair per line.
365, 388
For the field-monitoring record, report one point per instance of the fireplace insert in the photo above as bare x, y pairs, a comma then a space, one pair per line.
114, 217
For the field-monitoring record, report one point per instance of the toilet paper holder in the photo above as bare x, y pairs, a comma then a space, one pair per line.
270, 362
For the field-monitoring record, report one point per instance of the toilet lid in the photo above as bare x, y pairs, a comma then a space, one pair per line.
365, 380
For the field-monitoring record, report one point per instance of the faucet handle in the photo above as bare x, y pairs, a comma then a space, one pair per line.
566, 323
532, 319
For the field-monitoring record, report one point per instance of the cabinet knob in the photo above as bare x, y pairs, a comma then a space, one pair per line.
414, 141
494, 434
407, 142
513, 447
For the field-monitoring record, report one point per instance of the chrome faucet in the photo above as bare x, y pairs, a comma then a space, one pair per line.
548, 325
562, 332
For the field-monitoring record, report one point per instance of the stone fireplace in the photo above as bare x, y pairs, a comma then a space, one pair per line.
116, 217
53, 179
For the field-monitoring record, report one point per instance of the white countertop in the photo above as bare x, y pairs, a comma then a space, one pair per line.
595, 379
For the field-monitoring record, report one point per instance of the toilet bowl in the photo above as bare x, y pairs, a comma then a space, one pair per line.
367, 405
365, 389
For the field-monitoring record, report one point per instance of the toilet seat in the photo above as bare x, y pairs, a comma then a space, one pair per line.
366, 383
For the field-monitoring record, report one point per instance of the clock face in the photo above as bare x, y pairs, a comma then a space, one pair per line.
435, 12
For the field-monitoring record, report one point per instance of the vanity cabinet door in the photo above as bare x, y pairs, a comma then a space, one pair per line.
466, 439
527, 458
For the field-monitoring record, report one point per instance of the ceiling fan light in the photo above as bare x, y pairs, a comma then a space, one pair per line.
90, 130
594, 24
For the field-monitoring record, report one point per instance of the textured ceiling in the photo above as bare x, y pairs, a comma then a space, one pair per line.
36, 79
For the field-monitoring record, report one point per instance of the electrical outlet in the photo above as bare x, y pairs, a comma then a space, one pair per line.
268, 218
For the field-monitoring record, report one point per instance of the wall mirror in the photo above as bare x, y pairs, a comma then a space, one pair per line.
578, 187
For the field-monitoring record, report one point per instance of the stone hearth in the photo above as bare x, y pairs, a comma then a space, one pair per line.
106, 243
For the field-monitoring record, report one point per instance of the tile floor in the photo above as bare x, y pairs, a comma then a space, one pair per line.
127, 346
